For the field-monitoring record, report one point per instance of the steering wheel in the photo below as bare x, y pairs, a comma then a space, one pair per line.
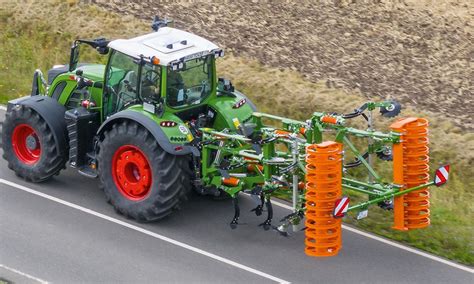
199, 88
151, 76
125, 99
195, 89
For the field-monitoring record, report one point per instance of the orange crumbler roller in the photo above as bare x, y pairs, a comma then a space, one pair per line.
323, 188
410, 168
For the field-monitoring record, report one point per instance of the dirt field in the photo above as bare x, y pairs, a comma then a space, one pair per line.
419, 52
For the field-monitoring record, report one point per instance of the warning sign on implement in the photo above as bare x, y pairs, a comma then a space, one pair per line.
441, 175
341, 207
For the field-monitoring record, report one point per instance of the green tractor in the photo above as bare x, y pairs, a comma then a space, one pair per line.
156, 122
129, 122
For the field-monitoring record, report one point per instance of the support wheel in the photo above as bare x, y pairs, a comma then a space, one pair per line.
139, 178
29, 145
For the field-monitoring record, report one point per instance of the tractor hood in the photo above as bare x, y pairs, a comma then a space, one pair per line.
94, 72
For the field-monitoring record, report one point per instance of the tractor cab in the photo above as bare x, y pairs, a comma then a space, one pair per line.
169, 67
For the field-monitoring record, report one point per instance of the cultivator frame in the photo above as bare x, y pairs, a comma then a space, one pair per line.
266, 161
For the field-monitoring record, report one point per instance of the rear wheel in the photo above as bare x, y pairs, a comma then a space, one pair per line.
29, 145
140, 179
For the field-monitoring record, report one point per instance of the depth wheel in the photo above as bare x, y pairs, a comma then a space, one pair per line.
29, 146
139, 178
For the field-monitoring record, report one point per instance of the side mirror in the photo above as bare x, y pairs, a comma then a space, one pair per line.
103, 50
74, 57
225, 85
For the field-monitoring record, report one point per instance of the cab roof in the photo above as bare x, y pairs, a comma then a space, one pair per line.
167, 44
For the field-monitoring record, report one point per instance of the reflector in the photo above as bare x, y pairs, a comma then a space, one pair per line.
441, 175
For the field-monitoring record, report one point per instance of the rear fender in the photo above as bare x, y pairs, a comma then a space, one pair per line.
153, 127
225, 107
249, 102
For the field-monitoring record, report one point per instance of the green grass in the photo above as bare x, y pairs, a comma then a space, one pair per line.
32, 36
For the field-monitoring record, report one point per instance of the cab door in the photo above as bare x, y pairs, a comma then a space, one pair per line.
121, 83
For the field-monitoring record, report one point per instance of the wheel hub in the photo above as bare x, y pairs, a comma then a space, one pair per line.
131, 172
31, 143
25, 144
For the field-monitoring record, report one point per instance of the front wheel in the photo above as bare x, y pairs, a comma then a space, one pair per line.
29, 145
140, 179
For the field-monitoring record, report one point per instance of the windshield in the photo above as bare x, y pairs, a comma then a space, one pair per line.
191, 85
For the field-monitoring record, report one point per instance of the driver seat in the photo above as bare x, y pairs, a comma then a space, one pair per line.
126, 95
173, 97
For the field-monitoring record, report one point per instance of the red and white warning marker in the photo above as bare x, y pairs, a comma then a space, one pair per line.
341, 206
441, 175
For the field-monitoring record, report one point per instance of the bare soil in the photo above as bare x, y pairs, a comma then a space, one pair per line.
418, 52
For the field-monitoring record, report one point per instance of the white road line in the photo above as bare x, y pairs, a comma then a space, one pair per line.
146, 232
2, 107
23, 274
394, 244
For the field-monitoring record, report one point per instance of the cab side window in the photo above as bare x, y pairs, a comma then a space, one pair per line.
190, 85
121, 82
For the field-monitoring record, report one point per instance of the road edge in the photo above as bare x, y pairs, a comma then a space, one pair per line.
392, 243
144, 231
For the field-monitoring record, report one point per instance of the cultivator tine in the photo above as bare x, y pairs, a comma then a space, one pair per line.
259, 209
234, 222
268, 222
286, 221
287, 217
257, 148
282, 230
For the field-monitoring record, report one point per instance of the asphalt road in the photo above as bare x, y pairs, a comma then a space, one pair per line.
64, 231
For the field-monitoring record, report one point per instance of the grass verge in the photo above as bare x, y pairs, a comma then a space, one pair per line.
32, 36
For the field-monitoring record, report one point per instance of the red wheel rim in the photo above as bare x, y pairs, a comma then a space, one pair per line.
131, 172
26, 144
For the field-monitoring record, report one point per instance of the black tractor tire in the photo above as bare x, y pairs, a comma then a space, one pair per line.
169, 174
22, 128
